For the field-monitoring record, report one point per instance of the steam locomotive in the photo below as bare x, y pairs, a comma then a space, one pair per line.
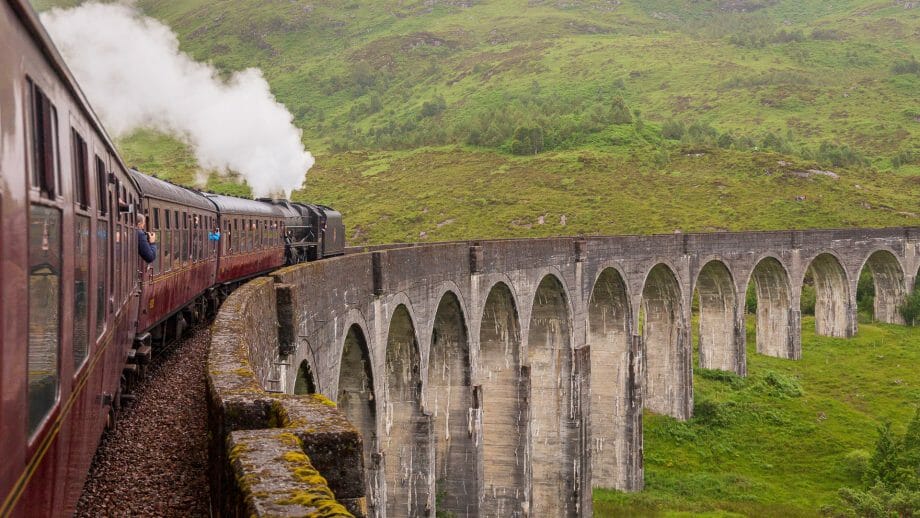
81, 313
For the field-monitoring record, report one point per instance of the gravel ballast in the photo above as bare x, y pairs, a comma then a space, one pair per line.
155, 462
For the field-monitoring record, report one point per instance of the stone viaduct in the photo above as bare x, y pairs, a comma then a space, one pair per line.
508, 377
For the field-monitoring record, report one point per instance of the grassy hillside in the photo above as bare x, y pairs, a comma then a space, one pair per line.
462, 119
777, 442
788, 75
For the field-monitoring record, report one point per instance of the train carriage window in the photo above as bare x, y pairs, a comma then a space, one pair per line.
167, 242
155, 227
102, 243
177, 240
44, 312
193, 222
117, 259
183, 243
80, 170
236, 234
189, 232
128, 267
45, 161
81, 291
101, 187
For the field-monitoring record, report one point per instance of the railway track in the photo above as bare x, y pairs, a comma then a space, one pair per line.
154, 461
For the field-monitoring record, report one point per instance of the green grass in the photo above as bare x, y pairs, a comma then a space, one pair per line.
774, 443
358, 77
458, 193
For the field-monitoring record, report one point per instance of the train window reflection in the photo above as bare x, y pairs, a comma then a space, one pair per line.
102, 263
44, 312
81, 292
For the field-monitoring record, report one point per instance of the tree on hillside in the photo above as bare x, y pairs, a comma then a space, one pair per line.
891, 483
527, 141
910, 309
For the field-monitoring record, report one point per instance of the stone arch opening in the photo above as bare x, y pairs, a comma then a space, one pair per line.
777, 321
553, 441
885, 287
721, 336
304, 383
356, 399
504, 408
450, 403
612, 415
664, 337
832, 308
405, 445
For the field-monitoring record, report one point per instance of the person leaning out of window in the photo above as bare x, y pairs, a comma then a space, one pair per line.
146, 241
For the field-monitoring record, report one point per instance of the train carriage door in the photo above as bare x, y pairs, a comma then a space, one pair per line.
46, 263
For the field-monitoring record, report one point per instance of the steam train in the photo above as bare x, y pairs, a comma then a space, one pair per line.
82, 313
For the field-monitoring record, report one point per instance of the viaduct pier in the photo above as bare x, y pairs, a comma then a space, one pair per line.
508, 377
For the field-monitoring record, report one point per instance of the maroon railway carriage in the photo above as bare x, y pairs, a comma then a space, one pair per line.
69, 273
252, 237
185, 268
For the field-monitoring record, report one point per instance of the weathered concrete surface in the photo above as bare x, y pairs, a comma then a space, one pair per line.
262, 443
277, 478
551, 348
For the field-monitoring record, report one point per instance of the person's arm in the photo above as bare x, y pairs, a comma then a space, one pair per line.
147, 251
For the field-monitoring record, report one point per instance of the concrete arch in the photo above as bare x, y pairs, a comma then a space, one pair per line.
534, 278
553, 438
451, 404
330, 380
503, 410
778, 322
835, 314
406, 429
721, 336
666, 342
890, 285
356, 399
304, 383
440, 291
613, 416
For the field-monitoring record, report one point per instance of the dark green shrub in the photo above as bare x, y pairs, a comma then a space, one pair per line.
910, 309
781, 386
905, 66
865, 292
750, 299
855, 463
527, 141
809, 299
903, 157
619, 112
673, 130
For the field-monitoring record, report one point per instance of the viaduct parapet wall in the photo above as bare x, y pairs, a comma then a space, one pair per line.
508, 378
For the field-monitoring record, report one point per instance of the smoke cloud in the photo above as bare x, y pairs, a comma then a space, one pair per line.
135, 76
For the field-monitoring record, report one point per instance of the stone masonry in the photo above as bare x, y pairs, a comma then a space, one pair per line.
508, 377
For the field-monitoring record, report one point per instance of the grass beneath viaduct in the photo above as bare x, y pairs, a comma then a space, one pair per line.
775, 443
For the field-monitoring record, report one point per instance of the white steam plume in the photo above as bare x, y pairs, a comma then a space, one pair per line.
135, 76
